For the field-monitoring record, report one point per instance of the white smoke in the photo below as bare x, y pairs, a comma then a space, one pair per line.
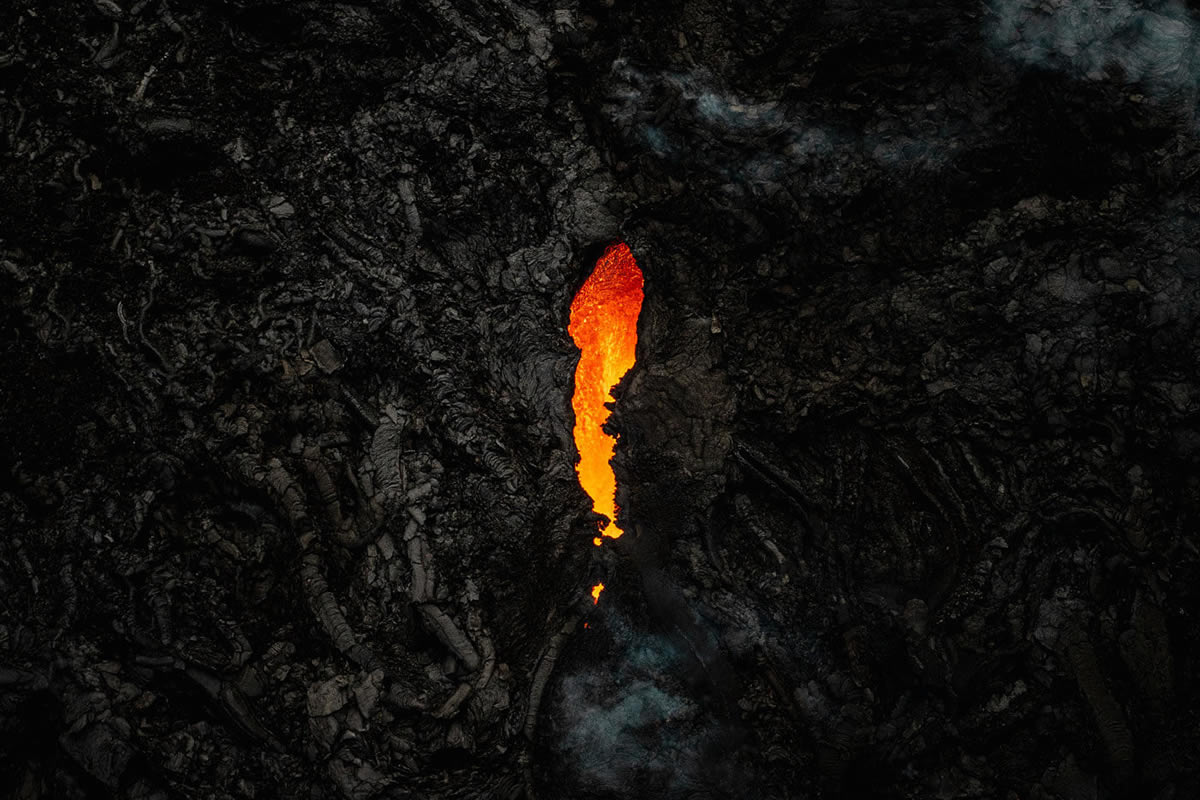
629, 724
1103, 39
615, 733
690, 105
691, 118
638, 94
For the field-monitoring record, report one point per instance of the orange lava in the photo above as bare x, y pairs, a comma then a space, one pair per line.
596, 590
604, 327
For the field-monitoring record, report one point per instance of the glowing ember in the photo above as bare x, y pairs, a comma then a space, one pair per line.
596, 590
604, 326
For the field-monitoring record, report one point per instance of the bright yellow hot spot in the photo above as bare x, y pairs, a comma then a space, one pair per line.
604, 327
596, 590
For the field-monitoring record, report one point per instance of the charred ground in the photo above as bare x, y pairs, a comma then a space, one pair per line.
908, 457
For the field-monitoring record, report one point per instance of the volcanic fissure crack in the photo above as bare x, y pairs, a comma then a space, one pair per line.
603, 326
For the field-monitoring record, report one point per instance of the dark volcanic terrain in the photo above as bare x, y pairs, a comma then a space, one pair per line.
907, 463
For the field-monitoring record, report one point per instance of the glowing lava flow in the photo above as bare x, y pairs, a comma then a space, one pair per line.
604, 327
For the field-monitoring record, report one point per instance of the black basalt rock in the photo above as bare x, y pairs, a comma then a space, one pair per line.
906, 463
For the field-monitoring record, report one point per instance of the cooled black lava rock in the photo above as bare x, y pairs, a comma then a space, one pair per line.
907, 462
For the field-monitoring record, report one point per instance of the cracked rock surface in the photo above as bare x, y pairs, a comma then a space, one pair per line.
907, 463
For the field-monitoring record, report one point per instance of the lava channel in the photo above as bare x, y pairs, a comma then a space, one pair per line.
604, 327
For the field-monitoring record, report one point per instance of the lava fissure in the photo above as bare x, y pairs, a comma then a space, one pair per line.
603, 326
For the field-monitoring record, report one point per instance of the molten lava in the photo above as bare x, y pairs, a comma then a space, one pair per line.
604, 327
596, 590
